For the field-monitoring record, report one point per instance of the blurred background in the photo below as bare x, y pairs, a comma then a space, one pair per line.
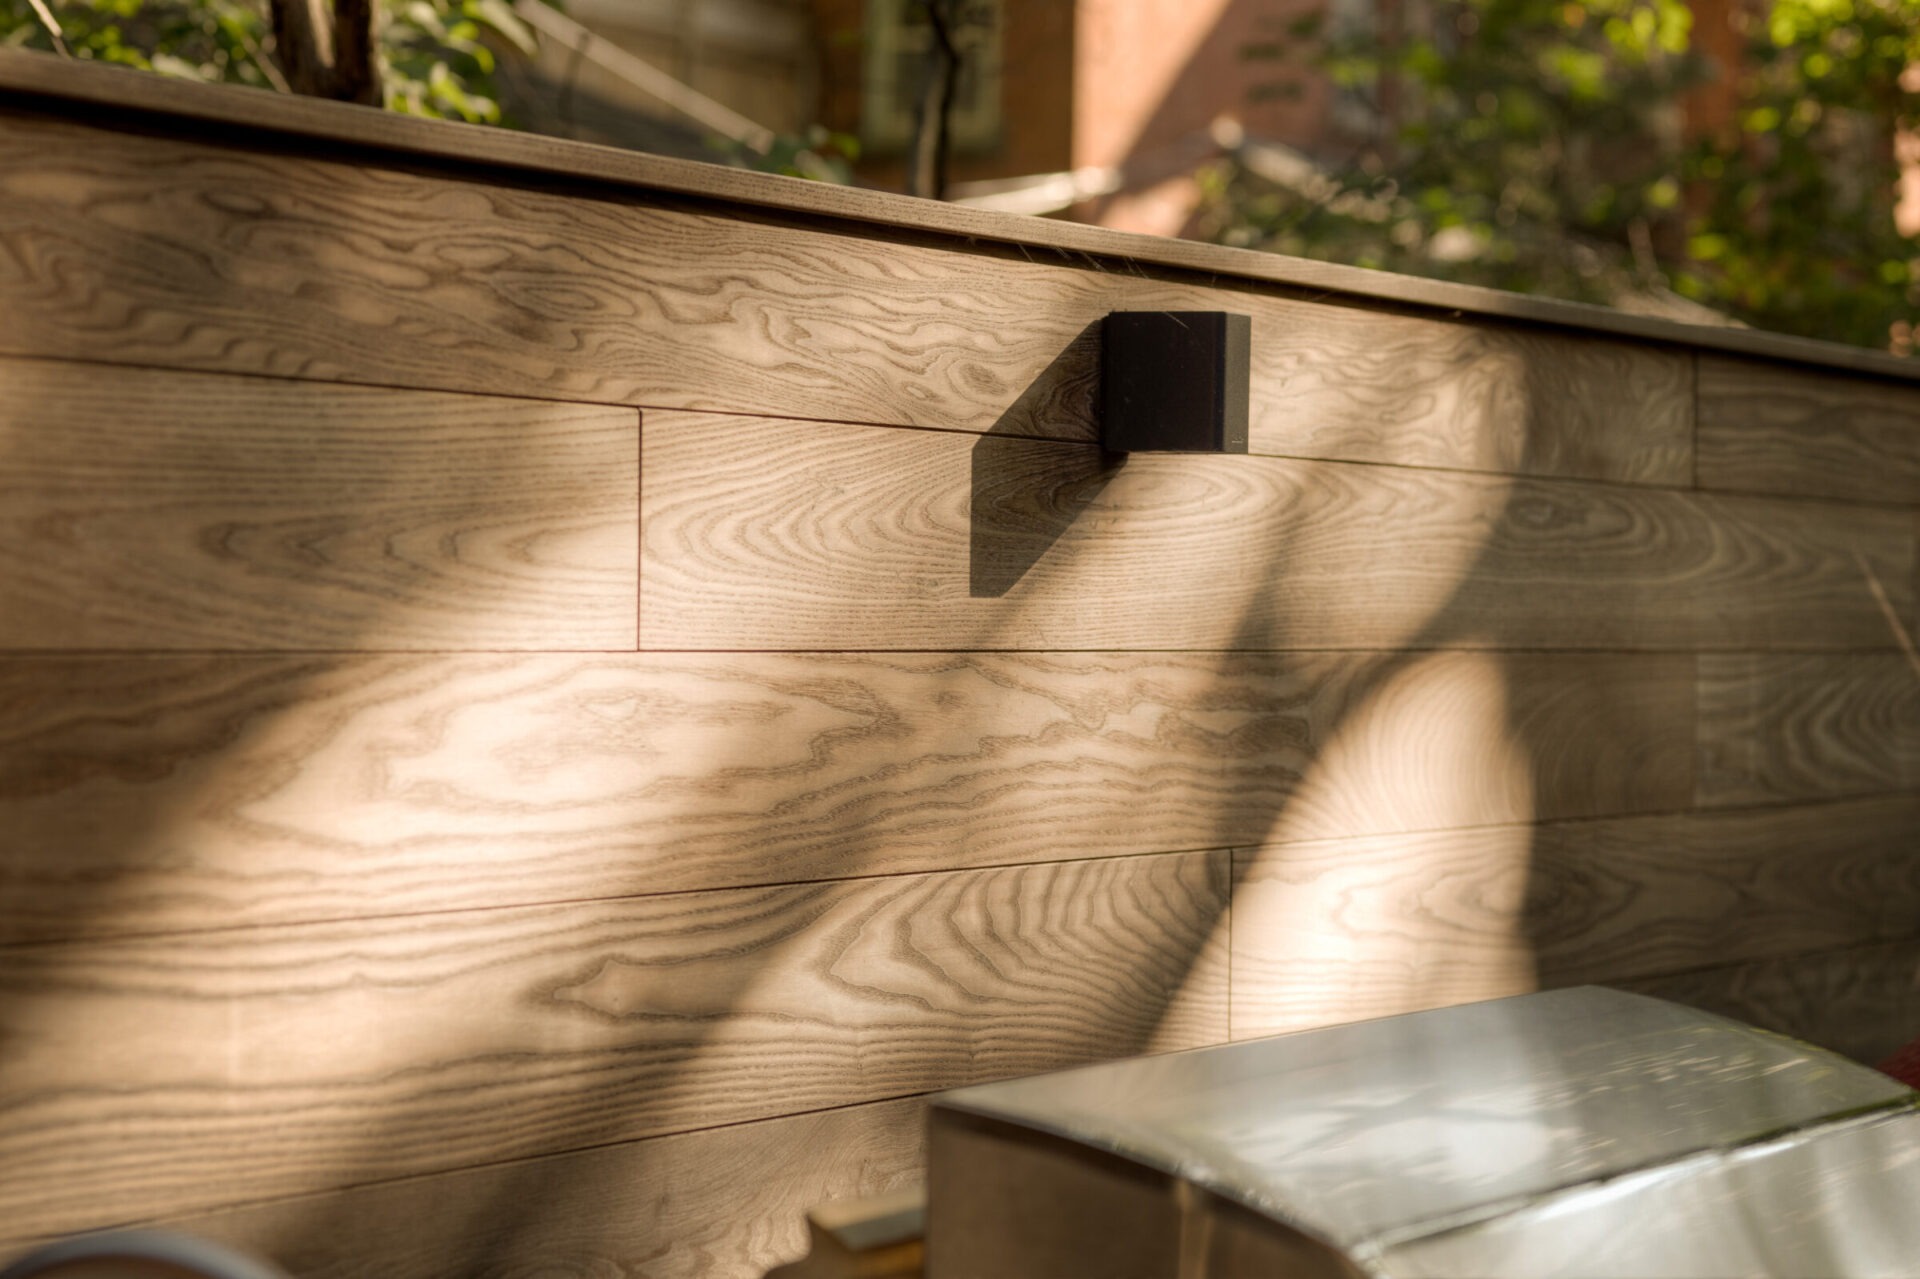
1746, 162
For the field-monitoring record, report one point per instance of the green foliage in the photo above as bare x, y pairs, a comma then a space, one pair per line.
819, 153
1794, 229
217, 40
1542, 146
436, 56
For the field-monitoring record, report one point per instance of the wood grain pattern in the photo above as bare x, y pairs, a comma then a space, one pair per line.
1806, 726
30, 82
439, 959
759, 534
1341, 385
1334, 931
167, 1075
1639, 896
1340, 930
325, 270
728, 1203
161, 794
1769, 429
153, 510
1863, 1002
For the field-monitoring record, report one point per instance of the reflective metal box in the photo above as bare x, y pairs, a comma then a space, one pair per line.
1572, 1133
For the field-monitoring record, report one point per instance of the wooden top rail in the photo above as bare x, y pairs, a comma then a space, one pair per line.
44, 82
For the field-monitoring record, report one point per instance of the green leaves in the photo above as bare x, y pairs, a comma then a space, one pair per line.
818, 153
1559, 147
436, 56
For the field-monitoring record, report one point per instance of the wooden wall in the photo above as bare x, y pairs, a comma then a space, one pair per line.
537, 716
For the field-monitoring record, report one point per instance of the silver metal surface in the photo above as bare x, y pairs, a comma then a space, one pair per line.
138, 1254
1838, 1201
1375, 1134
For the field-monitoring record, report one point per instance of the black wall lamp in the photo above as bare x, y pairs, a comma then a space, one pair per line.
1174, 381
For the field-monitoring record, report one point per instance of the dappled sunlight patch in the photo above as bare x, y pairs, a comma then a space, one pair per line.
1334, 930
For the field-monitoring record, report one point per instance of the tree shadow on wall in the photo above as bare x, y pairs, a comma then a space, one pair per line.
1563, 735
725, 995
1034, 500
233, 577
1277, 715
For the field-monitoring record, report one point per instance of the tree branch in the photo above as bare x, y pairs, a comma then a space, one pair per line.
53, 27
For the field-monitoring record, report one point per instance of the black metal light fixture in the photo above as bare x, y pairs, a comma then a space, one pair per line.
1174, 381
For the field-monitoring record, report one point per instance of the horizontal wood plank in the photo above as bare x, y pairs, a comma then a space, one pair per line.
1777, 727
327, 270
36, 83
1347, 385
727, 1203
760, 534
1863, 1002
1768, 428
159, 794
152, 510
1341, 930
1612, 899
163, 1076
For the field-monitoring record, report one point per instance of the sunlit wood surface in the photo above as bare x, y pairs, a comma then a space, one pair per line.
547, 697
177, 793
143, 509
427, 1043
767, 534
1403, 922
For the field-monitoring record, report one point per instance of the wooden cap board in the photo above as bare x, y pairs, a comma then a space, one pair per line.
25, 75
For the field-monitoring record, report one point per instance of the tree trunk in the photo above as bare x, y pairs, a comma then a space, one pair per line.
356, 68
326, 50
927, 162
